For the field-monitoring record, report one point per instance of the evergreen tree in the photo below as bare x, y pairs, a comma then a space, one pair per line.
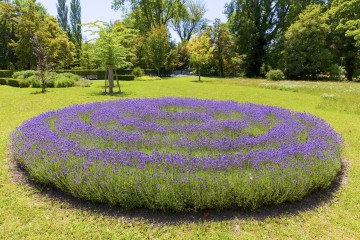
62, 16
75, 24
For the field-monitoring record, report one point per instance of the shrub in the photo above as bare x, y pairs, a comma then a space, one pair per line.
6, 73
13, 82
148, 78
138, 72
24, 83
64, 82
35, 82
83, 83
276, 74
126, 77
71, 76
3, 81
24, 74
99, 73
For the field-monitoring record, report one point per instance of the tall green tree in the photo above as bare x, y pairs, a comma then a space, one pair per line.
200, 51
255, 23
151, 14
191, 21
75, 24
62, 15
225, 60
158, 48
111, 46
30, 20
307, 52
345, 18
7, 35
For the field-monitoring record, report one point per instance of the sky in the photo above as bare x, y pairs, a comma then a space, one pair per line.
92, 10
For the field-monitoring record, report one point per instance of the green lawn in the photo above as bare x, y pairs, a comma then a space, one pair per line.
28, 212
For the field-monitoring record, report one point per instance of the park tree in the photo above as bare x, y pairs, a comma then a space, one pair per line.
7, 35
75, 24
307, 52
30, 19
255, 25
200, 51
158, 48
150, 14
62, 16
191, 21
224, 59
111, 46
345, 19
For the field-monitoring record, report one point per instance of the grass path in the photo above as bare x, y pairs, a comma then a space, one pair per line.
26, 212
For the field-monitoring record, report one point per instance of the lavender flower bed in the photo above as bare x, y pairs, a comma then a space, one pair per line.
176, 154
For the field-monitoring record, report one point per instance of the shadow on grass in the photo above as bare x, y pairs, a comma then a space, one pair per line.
40, 92
314, 200
114, 94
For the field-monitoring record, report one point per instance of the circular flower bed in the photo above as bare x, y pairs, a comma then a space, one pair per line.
176, 154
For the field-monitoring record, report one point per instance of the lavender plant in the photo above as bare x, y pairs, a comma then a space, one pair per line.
179, 154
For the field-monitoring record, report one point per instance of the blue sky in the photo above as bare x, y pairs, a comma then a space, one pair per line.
93, 10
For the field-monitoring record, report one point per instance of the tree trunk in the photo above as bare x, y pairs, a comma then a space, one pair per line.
199, 74
111, 79
256, 57
159, 72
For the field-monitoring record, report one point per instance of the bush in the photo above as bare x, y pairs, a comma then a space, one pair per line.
13, 82
6, 73
148, 78
71, 76
99, 73
24, 74
35, 82
276, 74
126, 77
64, 82
138, 72
3, 81
83, 83
24, 83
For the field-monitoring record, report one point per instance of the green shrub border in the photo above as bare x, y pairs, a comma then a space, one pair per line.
3, 81
6, 73
126, 77
13, 82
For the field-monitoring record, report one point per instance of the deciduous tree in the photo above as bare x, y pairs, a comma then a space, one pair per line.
200, 51
255, 24
111, 46
307, 52
191, 21
345, 18
157, 47
151, 14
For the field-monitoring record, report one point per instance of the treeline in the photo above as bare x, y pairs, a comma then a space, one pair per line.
303, 39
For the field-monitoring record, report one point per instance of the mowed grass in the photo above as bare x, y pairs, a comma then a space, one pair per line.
27, 212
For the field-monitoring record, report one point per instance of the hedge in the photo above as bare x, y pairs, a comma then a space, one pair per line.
6, 73
121, 72
13, 82
126, 77
3, 81
22, 83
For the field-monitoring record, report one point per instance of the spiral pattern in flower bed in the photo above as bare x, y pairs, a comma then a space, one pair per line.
176, 154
